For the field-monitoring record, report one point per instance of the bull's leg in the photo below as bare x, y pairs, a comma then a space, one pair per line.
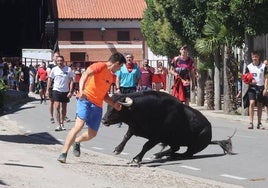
201, 142
168, 152
146, 147
118, 149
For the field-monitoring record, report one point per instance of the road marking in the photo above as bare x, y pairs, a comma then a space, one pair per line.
233, 177
190, 167
97, 148
124, 153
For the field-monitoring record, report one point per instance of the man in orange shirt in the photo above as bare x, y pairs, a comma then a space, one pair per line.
93, 90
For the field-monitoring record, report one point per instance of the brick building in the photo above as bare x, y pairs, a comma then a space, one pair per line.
92, 30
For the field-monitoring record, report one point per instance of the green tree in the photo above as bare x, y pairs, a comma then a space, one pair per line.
158, 31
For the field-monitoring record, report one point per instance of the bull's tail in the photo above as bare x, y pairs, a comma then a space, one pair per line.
226, 145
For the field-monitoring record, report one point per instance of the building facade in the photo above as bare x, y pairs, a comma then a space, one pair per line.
91, 35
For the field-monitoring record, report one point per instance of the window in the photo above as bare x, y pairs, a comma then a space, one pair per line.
77, 37
78, 56
123, 36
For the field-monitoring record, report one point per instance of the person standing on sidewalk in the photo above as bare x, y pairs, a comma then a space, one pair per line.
62, 89
41, 81
50, 66
256, 90
182, 67
147, 73
128, 78
93, 90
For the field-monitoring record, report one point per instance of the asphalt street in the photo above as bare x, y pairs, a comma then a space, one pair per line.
247, 167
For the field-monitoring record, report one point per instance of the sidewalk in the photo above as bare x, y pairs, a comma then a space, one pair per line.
28, 162
243, 120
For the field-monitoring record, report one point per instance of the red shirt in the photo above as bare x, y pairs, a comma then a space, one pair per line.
42, 73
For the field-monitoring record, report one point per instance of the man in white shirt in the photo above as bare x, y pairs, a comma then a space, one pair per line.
62, 89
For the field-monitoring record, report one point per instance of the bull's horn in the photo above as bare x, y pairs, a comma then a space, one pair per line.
128, 102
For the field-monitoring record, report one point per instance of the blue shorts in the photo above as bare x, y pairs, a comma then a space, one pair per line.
90, 113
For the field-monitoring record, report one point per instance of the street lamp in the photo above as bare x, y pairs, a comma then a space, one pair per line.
102, 29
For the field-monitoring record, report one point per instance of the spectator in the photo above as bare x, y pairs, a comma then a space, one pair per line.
93, 91
128, 77
5, 69
51, 101
160, 77
266, 96
10, 76
147, 73
17, 72
256, 88
32, 74
62, 89
41, 80
239, 90
77, 75
182, 67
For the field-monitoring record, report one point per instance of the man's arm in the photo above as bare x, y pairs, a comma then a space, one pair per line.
89, 72
114, 104
117, 83
48, 86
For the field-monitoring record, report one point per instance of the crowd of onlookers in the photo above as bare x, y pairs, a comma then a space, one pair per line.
20, 77
15, 74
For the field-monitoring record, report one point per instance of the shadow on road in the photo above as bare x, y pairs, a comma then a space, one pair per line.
170, 161
37, 138
14, 102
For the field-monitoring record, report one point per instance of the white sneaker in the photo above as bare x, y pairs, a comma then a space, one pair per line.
62, 127
66, 119
58, 128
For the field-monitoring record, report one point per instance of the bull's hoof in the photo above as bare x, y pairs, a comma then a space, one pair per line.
116, 152
134, 163
156, 156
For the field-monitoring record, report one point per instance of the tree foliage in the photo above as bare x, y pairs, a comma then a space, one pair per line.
169, 23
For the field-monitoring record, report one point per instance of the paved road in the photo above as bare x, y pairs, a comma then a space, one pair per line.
248, 167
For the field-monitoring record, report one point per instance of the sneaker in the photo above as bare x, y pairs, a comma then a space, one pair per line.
76, 149
52, 120
62, 158
58, 128
41, 100
62, 127
66, 119
250, 126
259, 126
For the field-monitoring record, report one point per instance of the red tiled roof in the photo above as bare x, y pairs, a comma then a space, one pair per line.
100, 9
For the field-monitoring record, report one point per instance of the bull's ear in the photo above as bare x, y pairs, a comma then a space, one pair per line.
128, 102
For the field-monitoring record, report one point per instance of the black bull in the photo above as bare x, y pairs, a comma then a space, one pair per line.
161, 118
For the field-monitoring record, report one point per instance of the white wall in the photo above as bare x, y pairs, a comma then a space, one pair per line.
154, 58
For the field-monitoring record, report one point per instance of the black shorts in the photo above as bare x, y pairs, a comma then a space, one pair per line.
255, 93
60, 96
42, 85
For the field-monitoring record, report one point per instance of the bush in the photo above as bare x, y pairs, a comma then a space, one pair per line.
3, 89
